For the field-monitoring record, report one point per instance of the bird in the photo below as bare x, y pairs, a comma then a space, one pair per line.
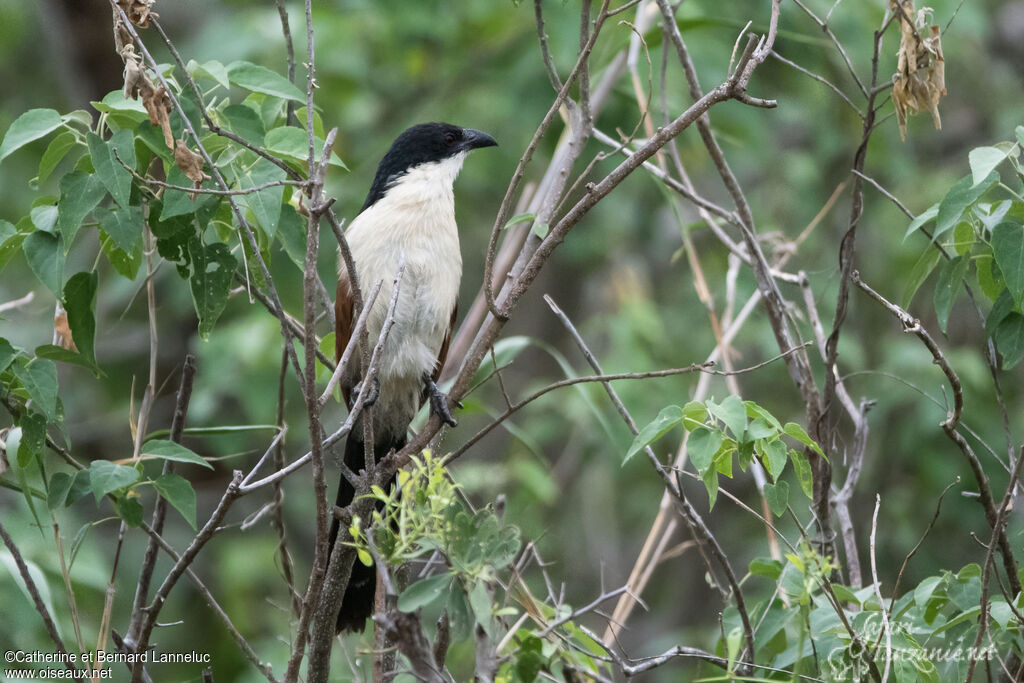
408, 217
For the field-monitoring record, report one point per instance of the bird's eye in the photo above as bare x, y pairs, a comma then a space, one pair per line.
449, 138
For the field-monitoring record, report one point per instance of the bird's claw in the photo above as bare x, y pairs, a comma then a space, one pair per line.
439, 404
371, 395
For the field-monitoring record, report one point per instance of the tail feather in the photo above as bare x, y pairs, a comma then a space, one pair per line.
357, 603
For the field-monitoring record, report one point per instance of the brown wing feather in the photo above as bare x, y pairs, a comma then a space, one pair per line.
442, 356
343, 306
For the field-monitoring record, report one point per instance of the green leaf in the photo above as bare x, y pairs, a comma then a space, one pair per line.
124, 226
1010, 338
291, 233
710, 479
115, 177
803, 472
777, 496
988, 277
775, 456
45, 257
168, 450
10, 241
106, 476
178, 492
130, 510
948, 286
759, 428
33, 438
55, 152
795, 431
261, 79
213, 266
124, 112
178, 203
79, 293
424, 592
983, 160
265, 204
80, 193
541, 230
519, 218
964, 193
126, 263
1008, 250
244, 122
667, 420
458, 614
212, 69
1000, 309
924, 266
702, 446
480, 602
32, 125
7, 353
60, 484
767, 567
929, 214
39, 377
963, 238
62, 355
733, 413
293, 143
80, 487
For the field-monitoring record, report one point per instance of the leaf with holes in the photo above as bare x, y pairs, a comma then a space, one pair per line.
213, 266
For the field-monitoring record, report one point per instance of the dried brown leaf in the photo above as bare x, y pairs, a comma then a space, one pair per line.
191, 164
135, 75
920, 79
139, 11
158, 105
62, 332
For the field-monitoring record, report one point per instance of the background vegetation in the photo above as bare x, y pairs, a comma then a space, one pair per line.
623, 276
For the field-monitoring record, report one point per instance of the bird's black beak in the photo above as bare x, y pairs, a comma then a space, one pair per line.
475, 139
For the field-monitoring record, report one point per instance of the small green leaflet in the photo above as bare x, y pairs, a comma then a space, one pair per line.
179, 493
55, 152
667, 419
212, 269
39, 377
964, 193
983, 160
795, 431
168, 450
261, 79
733, 413
1010, 338
45, 256
292, 142
702, 446
929, 214
115, 177
777, 496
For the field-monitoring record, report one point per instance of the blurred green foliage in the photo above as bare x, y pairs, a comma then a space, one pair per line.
382, 67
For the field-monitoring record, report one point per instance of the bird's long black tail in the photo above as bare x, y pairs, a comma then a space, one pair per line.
357, 604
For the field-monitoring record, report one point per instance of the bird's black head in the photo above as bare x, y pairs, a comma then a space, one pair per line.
421, 144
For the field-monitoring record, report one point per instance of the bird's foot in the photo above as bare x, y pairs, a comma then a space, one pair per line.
371, 395
439, 404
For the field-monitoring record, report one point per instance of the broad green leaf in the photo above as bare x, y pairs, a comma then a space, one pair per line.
992, 215
775, 456
767, 567
667, 420
212, 69
126, 263
62, 355
7, 353
924, 266
1008, 250
115, 177
60, 484
39, 377
178, 203
213, 266
694, 414
983, 160
130, 510
760, 428
803, 472
45, 257
261, 79
79, 296
948, 286
1010, 338
733, 413
291, 233
293, 143
33, 438
124, 226
988, 276
265, 204
964, 193
80, 193
795, 431
126, 113
777, 496
80, 487
105, 477
963, 238
710, 479
55, 152
1000, 309
424, 592
927, 215
244, 122
480, 603
10, 241
924, 590
168, 450
32, 125
178, 492
702, 446
44, 216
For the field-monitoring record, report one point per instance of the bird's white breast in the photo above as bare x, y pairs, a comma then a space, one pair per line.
414, 222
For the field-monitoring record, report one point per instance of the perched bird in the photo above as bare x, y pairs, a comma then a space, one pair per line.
409, 215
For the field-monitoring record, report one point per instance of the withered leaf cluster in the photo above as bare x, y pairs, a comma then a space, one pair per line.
920, 80
156, 99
